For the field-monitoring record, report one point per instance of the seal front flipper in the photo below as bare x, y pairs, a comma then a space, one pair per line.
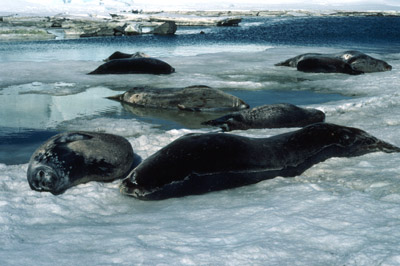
196, 184
223, 122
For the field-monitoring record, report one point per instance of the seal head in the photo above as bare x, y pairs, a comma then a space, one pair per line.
73, 158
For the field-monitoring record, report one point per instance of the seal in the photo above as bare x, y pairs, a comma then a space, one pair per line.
200, 163
363, 62
193, 98
143, 65
357, 60
120, 55
322, 64
268, 116
73, 158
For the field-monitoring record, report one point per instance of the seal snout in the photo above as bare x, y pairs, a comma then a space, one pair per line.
42, 180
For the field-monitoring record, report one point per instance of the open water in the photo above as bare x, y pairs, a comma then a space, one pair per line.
339, 212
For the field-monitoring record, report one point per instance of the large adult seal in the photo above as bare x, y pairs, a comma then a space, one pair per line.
358, 61
268, 116
200, 163
73, 158
142, 65
120, 55
193, 98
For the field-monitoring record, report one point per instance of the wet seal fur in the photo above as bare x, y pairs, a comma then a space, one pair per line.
268, 116
193, 98
120, 55
141, 65
73, 158
359, 62
200, 163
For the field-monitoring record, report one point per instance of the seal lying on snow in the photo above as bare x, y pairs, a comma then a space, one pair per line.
357, 60
194, 98
142, 65
69, 159
120, 55
268, 116
200, 163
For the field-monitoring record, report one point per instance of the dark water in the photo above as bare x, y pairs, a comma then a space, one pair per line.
17, 145
371, 33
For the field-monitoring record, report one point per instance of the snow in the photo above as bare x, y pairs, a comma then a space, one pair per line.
344, 211
103, 7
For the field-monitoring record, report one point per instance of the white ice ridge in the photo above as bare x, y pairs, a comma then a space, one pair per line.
41, 7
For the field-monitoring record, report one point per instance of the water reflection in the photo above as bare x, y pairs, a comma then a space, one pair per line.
30, 118
170, 118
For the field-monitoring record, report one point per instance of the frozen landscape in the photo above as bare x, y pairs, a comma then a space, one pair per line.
104, 6
344, 211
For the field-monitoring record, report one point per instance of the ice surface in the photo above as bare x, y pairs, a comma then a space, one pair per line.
339, 212
344, 211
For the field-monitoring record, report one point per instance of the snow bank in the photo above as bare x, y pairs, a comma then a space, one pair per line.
103, 7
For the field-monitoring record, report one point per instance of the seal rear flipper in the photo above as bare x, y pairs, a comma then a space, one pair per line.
386, 147
284, 63
94, 72
118, 97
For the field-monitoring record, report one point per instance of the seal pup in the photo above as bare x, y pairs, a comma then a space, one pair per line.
73, 158
357, 60
143, 65
120, 55
268, 116
193, 98
200, 163
326, 65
